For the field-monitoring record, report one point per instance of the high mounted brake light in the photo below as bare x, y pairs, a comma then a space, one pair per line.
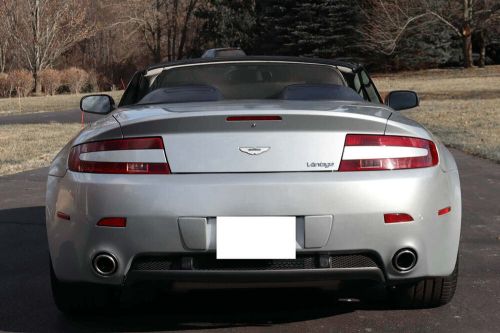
122, 156
253, 118
384, 152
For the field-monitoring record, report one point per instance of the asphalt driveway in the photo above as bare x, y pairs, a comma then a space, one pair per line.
70, 116
26, 303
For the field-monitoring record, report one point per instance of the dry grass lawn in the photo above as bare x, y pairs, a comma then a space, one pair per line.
29, 146
461, 107
14, 105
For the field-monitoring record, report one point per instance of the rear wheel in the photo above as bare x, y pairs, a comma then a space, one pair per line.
429, 292
74, 298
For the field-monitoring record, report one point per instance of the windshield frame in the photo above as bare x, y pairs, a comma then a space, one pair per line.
153, 74
142, 80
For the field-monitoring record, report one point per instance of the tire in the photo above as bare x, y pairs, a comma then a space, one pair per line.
426, 293
79, 298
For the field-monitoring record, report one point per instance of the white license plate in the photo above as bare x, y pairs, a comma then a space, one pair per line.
255, 237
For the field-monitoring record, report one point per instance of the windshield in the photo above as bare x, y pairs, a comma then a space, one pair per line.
248, 80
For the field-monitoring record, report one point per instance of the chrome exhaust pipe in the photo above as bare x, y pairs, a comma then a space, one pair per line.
104, 264
404, 260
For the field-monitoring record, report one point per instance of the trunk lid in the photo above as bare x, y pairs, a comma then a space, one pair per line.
199, 138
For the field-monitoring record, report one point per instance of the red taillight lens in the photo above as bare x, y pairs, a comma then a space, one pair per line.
114, 222
444, 211
123, 144
397, 217
385, 152
104, 161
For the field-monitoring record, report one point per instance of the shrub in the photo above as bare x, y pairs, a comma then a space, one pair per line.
5, 85
92, 82
104, 83
51, 80
22, 81
75, 78
63, 89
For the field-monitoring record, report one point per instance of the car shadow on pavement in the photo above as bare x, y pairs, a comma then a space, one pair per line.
27, 303
228, 309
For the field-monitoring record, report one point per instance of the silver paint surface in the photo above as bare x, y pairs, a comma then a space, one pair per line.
212, 177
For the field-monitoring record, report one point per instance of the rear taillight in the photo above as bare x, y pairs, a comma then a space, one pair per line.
122, 156
385, 152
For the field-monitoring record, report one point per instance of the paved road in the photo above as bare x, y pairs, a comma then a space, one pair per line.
26, 304
70, 116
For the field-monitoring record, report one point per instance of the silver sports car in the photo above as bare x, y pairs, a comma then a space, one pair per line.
252, 170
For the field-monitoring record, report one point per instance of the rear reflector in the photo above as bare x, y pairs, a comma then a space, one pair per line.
445, 210
111, 156
397, 217
384, 152
63, 216
115, 222
253, 118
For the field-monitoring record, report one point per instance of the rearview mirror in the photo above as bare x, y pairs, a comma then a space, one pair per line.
99, 104
402, 99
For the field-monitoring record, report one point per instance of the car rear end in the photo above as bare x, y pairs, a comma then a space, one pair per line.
369, 197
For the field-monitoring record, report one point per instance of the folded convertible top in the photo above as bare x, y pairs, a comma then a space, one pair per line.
183, 94
206, 93
313, 92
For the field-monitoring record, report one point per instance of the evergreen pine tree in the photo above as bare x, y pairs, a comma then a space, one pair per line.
323, 28
228, 23
275, 21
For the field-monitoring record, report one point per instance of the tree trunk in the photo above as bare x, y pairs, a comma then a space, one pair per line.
482, 49
38, 83
38, 53
174, 30
189, 11
467, 34
157, 34
157, 46
3, 56
169, 46
467, 40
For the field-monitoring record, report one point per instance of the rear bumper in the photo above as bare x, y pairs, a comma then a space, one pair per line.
194, 267
153, 205
310, 275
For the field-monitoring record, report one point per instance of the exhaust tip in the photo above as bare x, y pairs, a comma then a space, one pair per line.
104, 264
404, 260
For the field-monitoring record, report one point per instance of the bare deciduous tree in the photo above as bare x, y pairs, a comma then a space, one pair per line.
148, 18
44, 29
487, 18
164, 25
388, 20
188, 10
